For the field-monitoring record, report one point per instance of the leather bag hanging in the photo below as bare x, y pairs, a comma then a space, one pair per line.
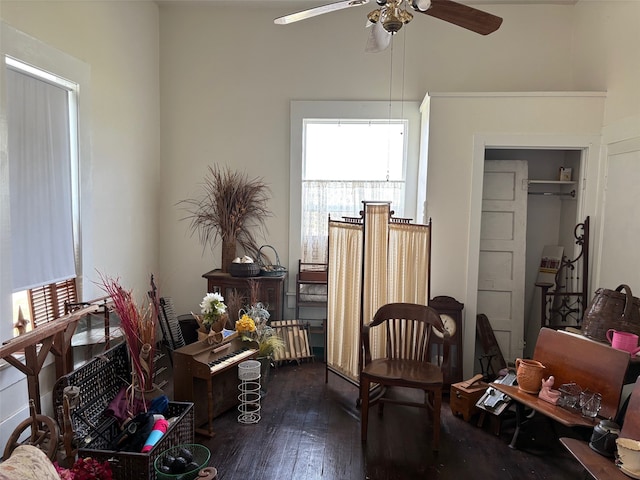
617, 309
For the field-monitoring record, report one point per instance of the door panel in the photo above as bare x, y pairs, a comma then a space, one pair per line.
501, 274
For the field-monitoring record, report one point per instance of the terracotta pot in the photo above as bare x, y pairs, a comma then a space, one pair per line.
529, 374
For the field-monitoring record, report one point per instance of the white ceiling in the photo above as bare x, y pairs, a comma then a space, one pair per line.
311, 3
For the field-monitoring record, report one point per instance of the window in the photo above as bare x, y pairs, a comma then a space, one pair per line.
345, 162
44, 148
42, 126
42, 173
343, 153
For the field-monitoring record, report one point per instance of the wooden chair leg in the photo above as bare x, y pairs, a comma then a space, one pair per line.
364, 409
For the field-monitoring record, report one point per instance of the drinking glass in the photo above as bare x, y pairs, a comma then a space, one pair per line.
592, 405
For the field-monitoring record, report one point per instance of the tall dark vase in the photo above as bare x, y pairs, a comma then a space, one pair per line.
228, 254
265, 367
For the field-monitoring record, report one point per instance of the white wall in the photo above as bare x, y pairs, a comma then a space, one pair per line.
119, 41
462, 126
607, 42
225, 77
228, 76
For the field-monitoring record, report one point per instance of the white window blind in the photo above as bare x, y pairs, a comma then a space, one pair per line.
40, 173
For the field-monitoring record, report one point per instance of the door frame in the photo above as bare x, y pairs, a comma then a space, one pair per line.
587, 189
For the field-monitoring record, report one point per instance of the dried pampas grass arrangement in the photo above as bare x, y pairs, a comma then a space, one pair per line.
139, 328
229, 210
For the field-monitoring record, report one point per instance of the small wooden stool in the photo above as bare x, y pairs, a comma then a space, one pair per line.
464, 396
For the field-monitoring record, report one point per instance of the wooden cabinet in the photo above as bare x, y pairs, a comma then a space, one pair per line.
270, 292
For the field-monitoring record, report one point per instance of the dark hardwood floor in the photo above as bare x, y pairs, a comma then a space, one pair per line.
311, 430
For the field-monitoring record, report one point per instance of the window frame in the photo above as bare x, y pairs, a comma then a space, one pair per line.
300, 110
26, 49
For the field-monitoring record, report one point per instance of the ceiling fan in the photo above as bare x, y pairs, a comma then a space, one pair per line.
391, 15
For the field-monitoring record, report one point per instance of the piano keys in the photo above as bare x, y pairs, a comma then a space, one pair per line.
203, 371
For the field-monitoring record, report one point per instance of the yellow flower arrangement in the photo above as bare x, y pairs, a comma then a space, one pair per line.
246, 324
252, 326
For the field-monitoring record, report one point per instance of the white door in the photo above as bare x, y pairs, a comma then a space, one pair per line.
501, 274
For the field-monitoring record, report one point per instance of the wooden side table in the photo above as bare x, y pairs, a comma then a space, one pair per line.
271, 289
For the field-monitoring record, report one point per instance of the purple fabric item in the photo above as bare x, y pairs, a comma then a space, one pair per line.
118, 407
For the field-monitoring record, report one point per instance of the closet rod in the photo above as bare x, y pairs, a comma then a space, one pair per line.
572, 193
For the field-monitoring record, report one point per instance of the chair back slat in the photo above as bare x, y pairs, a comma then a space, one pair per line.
408, 328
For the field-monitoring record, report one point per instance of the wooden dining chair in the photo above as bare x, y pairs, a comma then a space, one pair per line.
407, 361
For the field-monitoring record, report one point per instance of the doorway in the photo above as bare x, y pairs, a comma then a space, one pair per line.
551, 215
585, 149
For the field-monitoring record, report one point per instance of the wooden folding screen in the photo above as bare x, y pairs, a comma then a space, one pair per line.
373, 260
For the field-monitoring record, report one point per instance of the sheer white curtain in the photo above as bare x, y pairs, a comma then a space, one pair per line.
343, 309
376, 269
409, 249
339, 199
42, 246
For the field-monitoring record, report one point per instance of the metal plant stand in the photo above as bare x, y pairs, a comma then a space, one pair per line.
249, 397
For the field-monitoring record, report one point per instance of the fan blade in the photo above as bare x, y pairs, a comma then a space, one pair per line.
379, 39
464, 16
312, 12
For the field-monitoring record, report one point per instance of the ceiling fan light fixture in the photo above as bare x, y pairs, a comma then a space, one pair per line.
421, 5
405, 17
392, 24
391, 19
374, 16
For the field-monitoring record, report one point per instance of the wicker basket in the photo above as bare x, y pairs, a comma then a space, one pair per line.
135, 466
98, 382
617, 309
244, 269
270, 270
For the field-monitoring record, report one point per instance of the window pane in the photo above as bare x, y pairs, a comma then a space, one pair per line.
363, 150
345, 163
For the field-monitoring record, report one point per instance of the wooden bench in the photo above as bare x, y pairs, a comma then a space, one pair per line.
572, 358
599, 466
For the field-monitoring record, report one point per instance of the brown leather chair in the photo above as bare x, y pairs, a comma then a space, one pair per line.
407, 362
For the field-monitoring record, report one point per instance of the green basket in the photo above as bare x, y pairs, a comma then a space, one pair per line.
201, 455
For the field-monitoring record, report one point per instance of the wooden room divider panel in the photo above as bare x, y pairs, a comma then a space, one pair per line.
373, 260
344, 298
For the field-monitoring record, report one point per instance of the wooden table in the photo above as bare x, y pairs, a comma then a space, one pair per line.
597, 465
54, 337
270, 289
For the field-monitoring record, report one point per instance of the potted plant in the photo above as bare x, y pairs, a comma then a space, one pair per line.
229, 210
213, 318
252, 326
